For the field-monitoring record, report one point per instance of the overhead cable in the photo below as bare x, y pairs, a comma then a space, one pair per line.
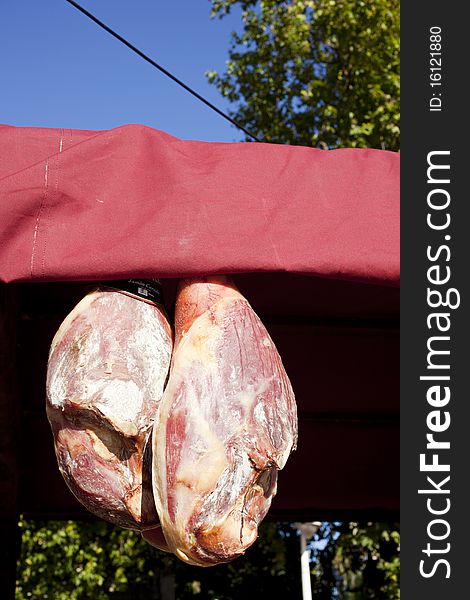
160, 68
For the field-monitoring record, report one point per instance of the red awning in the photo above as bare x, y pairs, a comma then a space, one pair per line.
311, 236
135, 201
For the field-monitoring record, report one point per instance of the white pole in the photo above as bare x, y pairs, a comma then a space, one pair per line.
305, 568
306, 530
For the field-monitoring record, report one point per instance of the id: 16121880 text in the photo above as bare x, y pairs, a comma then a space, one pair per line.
435, 68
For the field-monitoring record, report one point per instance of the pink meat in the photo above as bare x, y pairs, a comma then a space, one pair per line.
227, 424
107, 368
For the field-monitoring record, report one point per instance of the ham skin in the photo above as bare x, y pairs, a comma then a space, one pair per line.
226, 426
107, 368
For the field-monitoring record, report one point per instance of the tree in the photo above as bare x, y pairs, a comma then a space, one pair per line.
315, 72
356, 561
67, 560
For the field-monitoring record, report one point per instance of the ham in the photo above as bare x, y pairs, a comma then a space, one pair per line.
227, 424
107, 368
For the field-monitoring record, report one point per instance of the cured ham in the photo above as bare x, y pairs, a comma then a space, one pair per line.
107, 368
227, 424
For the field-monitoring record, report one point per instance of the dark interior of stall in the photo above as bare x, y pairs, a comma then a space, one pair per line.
339, 341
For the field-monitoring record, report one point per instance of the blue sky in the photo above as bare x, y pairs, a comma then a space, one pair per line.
61, 70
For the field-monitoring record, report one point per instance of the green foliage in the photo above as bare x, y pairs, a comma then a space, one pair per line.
73, 561
359, 562
67, 560
315, 72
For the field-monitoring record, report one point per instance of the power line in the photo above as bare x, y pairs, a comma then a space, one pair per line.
160, 68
